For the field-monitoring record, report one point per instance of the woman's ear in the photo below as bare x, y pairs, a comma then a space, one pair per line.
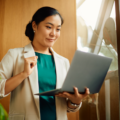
34, 26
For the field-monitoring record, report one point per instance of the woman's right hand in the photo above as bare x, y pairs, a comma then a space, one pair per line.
29, 64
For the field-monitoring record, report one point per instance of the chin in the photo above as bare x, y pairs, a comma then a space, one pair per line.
50, 45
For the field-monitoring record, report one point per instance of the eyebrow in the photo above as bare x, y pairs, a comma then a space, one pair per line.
52, 24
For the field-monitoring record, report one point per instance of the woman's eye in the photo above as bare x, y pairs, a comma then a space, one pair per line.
48, 27
58, 29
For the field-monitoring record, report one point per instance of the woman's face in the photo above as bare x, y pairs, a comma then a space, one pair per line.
47, 31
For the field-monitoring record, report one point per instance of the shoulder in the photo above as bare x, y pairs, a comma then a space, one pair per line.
19, 49
15, 51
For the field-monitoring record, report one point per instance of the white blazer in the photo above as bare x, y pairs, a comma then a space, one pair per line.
24, 105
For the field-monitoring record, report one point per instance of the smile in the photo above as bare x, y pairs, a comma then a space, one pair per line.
51, 40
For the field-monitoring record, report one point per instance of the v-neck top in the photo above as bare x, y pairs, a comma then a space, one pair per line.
47, 81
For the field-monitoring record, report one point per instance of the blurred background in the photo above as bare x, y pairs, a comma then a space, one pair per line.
89, 25
96, 33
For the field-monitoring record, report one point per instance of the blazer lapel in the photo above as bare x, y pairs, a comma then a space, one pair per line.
33, 77
59, 81
59, 69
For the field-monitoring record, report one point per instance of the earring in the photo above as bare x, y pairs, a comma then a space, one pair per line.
33, 31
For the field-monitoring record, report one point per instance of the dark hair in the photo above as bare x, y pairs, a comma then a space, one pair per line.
39, 16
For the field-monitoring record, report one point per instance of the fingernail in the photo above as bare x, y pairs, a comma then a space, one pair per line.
75, 88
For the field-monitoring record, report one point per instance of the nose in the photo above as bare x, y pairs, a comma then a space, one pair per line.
53, 32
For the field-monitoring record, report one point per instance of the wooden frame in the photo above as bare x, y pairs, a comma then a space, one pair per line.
117, 10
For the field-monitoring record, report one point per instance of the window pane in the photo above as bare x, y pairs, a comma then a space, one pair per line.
96, 33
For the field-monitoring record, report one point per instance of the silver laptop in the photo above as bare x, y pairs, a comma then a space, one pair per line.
86, 70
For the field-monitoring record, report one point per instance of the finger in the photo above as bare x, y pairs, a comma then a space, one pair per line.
76, 91
68, 95
32, 64
29, 61
32, 58
87, 91
65, 94
61, 95
57, 94
36, 57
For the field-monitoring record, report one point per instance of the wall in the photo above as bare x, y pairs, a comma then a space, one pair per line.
15, 14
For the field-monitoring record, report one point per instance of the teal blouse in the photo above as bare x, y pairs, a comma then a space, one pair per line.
47, 81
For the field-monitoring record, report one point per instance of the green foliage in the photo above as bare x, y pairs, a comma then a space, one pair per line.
3, 113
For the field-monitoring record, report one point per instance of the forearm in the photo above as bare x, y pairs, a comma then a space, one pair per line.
13, 82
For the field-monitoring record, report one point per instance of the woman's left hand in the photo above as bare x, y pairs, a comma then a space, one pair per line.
76, 97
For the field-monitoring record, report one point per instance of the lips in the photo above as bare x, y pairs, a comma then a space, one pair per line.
50, 39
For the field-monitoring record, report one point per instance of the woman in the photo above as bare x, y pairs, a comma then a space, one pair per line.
38, 68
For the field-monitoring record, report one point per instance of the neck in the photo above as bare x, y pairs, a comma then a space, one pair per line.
41, 49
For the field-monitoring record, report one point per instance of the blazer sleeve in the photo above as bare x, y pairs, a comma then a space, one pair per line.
70, 109
6, 71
